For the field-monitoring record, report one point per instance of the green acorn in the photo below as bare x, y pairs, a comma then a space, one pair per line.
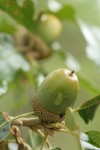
49, 27
58, 91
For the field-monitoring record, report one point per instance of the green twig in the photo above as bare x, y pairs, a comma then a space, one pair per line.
17, 117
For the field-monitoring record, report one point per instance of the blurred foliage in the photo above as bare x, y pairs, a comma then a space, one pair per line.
7, 24
20, 13
10, 59
77, 47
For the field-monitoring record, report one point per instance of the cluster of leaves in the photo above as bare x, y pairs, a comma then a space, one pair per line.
15, 14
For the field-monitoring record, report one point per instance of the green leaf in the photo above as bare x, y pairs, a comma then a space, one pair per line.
87, 110
10, 59
6, 23
87, 10
69, 120
5, 129
66, 12
86, 142
94, 137
23, 14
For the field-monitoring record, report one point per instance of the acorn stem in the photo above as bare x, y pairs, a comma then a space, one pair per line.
71, 73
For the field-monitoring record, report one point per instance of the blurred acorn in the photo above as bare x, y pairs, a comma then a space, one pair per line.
49, 27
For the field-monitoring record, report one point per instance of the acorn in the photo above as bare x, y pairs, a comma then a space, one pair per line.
58, 91
49, 27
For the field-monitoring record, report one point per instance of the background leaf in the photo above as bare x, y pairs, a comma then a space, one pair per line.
23, 14
6, 23
64, 12
87, 85
92, 36
4, 130
86, 142
10, 59
87, 10
87, 110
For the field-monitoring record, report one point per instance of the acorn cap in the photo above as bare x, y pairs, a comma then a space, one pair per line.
58, 91
44, 115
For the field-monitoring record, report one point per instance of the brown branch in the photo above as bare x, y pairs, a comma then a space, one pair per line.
31, 45
27, 122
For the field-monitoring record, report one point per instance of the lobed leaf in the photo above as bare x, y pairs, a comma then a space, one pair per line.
88, 109
87, 140
23, 14
4, 129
